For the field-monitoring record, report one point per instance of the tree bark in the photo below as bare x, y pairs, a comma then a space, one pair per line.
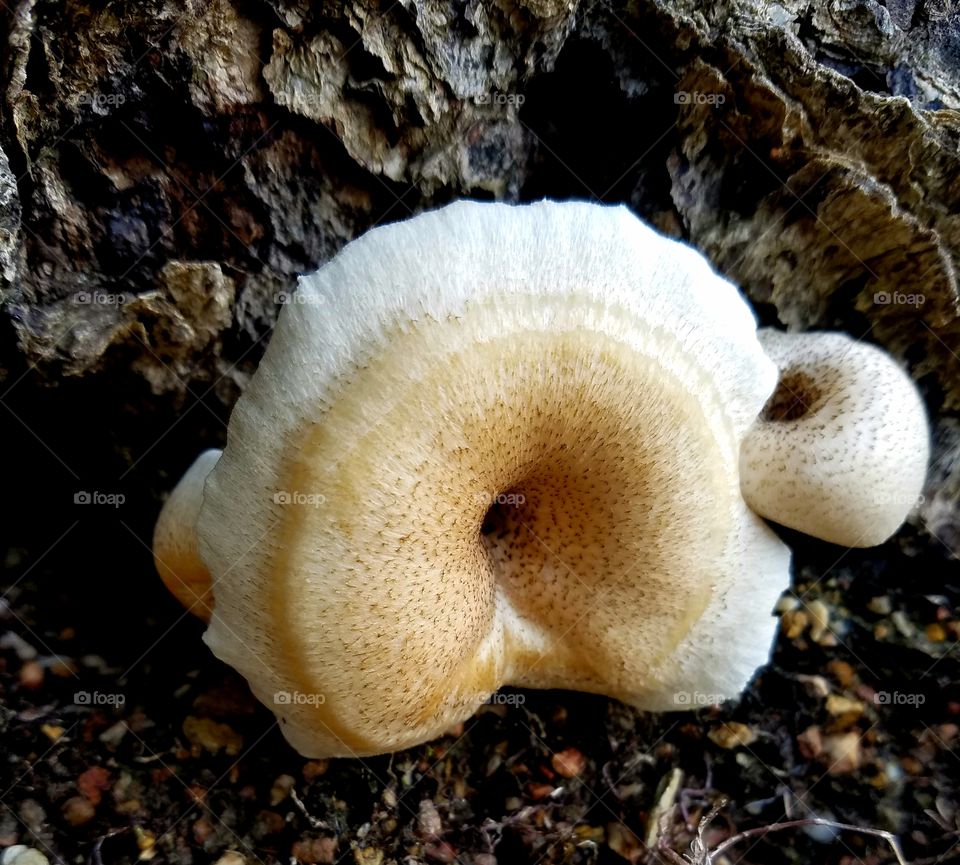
167, 170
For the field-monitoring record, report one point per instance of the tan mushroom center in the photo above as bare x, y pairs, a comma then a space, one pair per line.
554, 477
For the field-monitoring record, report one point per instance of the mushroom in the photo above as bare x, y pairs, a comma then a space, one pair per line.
840, 451
175, 552
489, 445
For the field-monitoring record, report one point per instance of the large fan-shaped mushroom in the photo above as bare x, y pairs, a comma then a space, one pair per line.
489, 445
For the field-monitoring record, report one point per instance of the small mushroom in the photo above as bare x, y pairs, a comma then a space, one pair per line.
175, 552
840, 451
489, 445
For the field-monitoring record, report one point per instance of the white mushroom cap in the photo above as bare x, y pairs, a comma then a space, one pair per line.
493, 445
842, 448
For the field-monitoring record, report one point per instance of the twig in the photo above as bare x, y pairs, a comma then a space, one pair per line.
95, 857
701, 855
890, 838
315, 822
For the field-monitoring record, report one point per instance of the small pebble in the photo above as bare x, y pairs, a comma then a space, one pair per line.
794, 623
903, 624
202, 829
146, 841
911, 765
947, 732
63, 668
881, 605
93, 782
810, 742
666, 751
33, 816
269, 823
52, 731
20, 854
281, 788
77, 810
205, 734
569, 763
846, 711
32, 675
539, 791
315, 851
315, 768
428, 820
936, 633
817, 686
732, 734
231, 857
787, 603
819, 614
842, 672
624, 843
112, 735
841, 752
23, 650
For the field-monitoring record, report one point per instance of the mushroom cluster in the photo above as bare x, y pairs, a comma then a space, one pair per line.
523, 445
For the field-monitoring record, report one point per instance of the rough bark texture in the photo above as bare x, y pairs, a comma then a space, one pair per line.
167, 169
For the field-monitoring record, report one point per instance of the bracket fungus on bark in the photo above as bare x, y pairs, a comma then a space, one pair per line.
489, 445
